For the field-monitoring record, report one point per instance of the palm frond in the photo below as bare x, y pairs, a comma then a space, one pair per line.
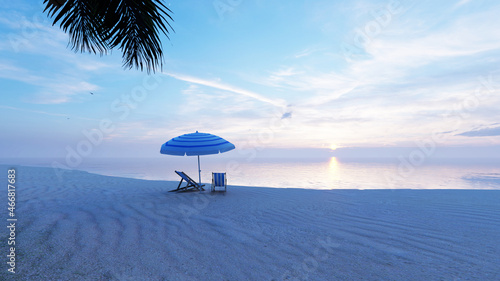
98, 26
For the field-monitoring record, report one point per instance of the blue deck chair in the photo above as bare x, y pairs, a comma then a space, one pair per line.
219, 180
190, 183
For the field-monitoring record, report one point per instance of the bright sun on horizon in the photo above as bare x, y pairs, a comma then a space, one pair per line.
334, 147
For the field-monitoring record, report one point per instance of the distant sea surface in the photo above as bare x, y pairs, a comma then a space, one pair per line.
310, 173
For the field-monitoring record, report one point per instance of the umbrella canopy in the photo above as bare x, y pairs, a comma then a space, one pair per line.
196, 144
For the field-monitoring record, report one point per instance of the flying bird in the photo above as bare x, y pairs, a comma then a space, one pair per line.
91, 93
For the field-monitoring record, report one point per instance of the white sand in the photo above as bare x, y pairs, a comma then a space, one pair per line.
92, 227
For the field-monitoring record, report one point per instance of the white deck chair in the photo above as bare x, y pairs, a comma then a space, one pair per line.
219, 180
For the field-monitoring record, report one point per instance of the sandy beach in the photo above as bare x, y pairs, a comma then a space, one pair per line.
93, 227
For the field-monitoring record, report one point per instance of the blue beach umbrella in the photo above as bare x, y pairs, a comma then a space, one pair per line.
196, 144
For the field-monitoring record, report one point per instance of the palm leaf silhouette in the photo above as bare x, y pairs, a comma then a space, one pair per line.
97, 26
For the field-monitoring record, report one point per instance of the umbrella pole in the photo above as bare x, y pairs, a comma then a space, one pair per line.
199, 170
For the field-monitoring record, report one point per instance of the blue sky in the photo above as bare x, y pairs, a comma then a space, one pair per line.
273, 74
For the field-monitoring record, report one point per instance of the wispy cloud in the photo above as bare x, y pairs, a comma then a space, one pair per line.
52, 89
461, 3
34, 111
485, 132
55, 92
306, 52
48, 113
33, 36
285, 72
404, 79
226, 87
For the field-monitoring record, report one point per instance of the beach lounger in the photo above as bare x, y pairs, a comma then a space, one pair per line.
190, 183
219, 180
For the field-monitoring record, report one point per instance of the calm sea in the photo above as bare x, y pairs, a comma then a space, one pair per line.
314, 173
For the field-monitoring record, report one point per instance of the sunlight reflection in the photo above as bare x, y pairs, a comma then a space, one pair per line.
333, 167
